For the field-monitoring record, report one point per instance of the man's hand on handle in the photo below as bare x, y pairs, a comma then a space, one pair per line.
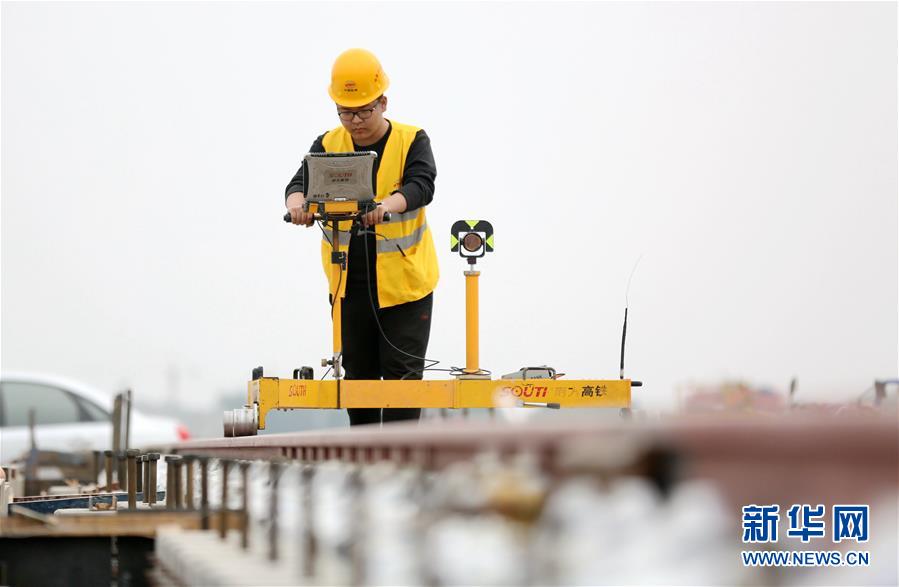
395, 203
295, 202
376, 216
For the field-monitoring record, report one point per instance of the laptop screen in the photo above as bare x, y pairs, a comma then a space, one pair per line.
339, 176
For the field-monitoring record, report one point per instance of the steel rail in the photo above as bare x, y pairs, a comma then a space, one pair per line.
743, 454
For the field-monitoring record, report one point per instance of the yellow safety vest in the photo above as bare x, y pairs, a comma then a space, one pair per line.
406, 258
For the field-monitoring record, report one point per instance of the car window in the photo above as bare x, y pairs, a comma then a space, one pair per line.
93, 412
51, 404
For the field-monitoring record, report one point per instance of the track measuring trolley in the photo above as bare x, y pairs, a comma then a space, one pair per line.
339, 192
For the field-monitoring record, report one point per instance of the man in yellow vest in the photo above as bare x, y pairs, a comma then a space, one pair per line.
391, 266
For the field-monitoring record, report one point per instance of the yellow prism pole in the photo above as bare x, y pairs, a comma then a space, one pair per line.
471, 321
338, 210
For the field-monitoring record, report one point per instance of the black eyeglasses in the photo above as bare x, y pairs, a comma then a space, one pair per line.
364, 114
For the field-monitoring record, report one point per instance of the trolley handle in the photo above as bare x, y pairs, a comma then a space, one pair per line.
317, 216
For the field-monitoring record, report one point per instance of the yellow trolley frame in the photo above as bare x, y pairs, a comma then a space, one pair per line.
468, 390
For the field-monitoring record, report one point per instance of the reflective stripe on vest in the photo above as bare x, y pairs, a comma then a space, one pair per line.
401, 244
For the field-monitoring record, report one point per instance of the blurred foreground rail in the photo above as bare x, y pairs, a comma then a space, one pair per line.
743, 454
478, 503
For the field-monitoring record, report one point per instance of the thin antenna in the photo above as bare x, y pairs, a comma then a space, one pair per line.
624, 328
623, 336
627, 291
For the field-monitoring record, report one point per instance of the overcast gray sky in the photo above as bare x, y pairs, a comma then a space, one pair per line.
747, 151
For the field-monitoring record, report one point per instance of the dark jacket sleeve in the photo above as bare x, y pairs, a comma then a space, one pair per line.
298, 183
419, 174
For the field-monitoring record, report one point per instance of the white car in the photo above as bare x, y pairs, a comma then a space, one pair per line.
69, 416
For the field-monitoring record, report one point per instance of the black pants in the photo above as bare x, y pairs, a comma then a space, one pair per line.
367, 355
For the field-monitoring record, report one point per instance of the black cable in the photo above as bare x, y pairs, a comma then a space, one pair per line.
375, 313
458, 371
374, 233
325, 234
336, 293
428, 368
454, 371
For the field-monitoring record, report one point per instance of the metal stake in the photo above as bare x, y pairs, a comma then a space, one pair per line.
131, 455
204, 492
189, 482
139, 471
171, 482
127, 435
179, 484
275, 472
121, 470
97, 454
117, 422
308, 534
145, 462
107, 463
152, 459
223, 511
245, 505
357, 558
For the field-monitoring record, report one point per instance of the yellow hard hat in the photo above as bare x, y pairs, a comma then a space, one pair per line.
357, 78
